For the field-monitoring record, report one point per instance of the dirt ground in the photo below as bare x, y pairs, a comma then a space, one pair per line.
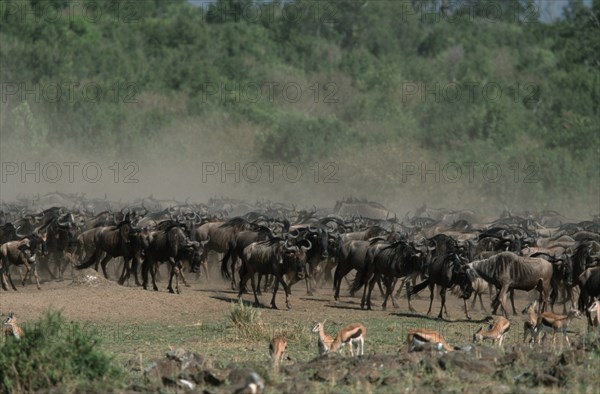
106, 301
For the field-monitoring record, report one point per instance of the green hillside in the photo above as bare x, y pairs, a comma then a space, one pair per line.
369, 84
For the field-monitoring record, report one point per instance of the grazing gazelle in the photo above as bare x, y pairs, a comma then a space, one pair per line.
595, 307
495, 332
549, 322
277, 349
354, 332
11, 327
325, 341
529, 324
418, 337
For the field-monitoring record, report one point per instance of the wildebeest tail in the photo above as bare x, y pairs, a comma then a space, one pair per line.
90, 261
224, 271
417, 288
360, 279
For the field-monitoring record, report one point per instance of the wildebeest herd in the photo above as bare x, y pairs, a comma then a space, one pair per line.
281, 245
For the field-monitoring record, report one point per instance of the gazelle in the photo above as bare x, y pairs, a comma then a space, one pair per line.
418, 337
277, 349
495, 332
350, 334
595, 307
11, 327
549, 322
529, 325
325, 341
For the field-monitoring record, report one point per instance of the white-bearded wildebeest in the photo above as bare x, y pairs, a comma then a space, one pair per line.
318, 236
446, 270
589, 286
20, 252
236, 249
396, 260
170, 244
61, 239
220, 235
508, 271
122, 240
273, 257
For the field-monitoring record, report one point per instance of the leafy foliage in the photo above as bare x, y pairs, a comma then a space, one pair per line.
509, 85
53, 353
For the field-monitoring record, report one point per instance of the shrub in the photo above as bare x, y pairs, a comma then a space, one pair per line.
55, 354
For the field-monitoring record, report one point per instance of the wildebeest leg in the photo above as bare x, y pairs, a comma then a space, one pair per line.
512, 300
35, 274
103, 264
243, 279
432, 294
481, 302
371, 285
388, 291
443, 295
380, 288
125, 271
466, 310
10, 278
502, 299
286, 288
337, 280
27, 270
392, 284
172, 272
256, 303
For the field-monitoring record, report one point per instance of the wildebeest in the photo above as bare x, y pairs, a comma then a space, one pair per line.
446, 270
395, 260
61, 238
122, 240
220, 235
318, 236
237, 246
21, 252
170, 244
509, 271
589, 286
273, 257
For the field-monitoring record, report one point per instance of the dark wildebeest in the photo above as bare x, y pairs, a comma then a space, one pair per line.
237, 246
122, 240
61, 239
396, 260
351, 253
446, 270
589, 286
170, 244
273, 257
318, 236
509, 271
220, 235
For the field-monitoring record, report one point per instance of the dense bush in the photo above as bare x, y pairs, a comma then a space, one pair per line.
55, 354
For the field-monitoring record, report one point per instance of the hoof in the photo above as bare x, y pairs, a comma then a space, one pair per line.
171, 291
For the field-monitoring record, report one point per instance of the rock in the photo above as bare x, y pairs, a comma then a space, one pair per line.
466, 362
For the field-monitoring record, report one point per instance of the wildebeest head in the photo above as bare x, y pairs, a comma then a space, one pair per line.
26, 253
319, 238
461, 275
295, 258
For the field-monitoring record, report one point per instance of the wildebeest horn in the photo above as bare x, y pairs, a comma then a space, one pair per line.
312, 229
295, 235
305, 248
20, 235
